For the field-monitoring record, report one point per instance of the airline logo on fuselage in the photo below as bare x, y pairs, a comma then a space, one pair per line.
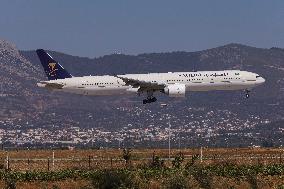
52, 69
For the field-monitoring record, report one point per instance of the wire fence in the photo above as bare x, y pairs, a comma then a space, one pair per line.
54, 163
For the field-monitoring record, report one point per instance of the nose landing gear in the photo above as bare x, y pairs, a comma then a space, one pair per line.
247, 95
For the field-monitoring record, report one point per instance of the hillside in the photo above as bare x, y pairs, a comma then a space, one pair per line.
203, 117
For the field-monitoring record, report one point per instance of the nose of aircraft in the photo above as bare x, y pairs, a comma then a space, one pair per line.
261, 80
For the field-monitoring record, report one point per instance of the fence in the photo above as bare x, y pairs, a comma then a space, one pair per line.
54, 162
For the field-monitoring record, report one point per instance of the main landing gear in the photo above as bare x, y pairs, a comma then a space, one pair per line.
150, 98
247, 93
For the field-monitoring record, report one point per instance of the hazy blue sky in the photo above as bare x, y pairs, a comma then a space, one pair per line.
94, 28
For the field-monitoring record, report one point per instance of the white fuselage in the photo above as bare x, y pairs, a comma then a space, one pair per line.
193, 81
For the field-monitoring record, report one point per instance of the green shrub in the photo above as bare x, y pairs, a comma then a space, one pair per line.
202, 175
157, 163
109, 179
139, 180
252, 180
177, 181
177, 162
194, 158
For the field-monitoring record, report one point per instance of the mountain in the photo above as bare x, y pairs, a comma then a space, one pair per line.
17, 76
207, 114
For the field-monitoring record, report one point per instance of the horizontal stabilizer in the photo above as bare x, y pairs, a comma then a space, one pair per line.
50, 85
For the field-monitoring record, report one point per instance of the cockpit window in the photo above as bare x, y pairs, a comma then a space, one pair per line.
237, 73
257, 76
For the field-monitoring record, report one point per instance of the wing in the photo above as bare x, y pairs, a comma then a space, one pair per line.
142, 84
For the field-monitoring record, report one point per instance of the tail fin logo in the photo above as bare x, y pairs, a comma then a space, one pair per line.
52, 69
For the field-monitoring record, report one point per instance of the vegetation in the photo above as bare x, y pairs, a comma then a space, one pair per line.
126, 156
157, 162
183, 171
177, 162
175, 177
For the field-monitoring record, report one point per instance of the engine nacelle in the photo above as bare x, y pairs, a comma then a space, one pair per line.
133, 90
175, 90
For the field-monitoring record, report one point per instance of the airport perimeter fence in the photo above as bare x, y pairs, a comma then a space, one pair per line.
90, 162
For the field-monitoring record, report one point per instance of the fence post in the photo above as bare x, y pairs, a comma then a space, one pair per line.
280, 159
29, 168
48, 164
7, 162
89, 162
53, 160
201, 155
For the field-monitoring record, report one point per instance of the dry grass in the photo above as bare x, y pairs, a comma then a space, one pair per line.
112, 158
65, 184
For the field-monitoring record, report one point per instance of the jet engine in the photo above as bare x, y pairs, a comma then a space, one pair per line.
175, 90
133, 89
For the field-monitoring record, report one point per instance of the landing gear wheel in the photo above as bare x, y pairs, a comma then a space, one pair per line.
145, 101
149, 100
247, 95
154, 99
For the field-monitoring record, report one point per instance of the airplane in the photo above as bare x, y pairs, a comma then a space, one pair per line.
173, 84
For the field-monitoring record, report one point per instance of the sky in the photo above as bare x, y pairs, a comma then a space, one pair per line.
94, 28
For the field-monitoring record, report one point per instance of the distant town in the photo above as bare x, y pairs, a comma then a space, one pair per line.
229, 131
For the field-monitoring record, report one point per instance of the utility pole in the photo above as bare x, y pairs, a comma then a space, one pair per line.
169, 138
